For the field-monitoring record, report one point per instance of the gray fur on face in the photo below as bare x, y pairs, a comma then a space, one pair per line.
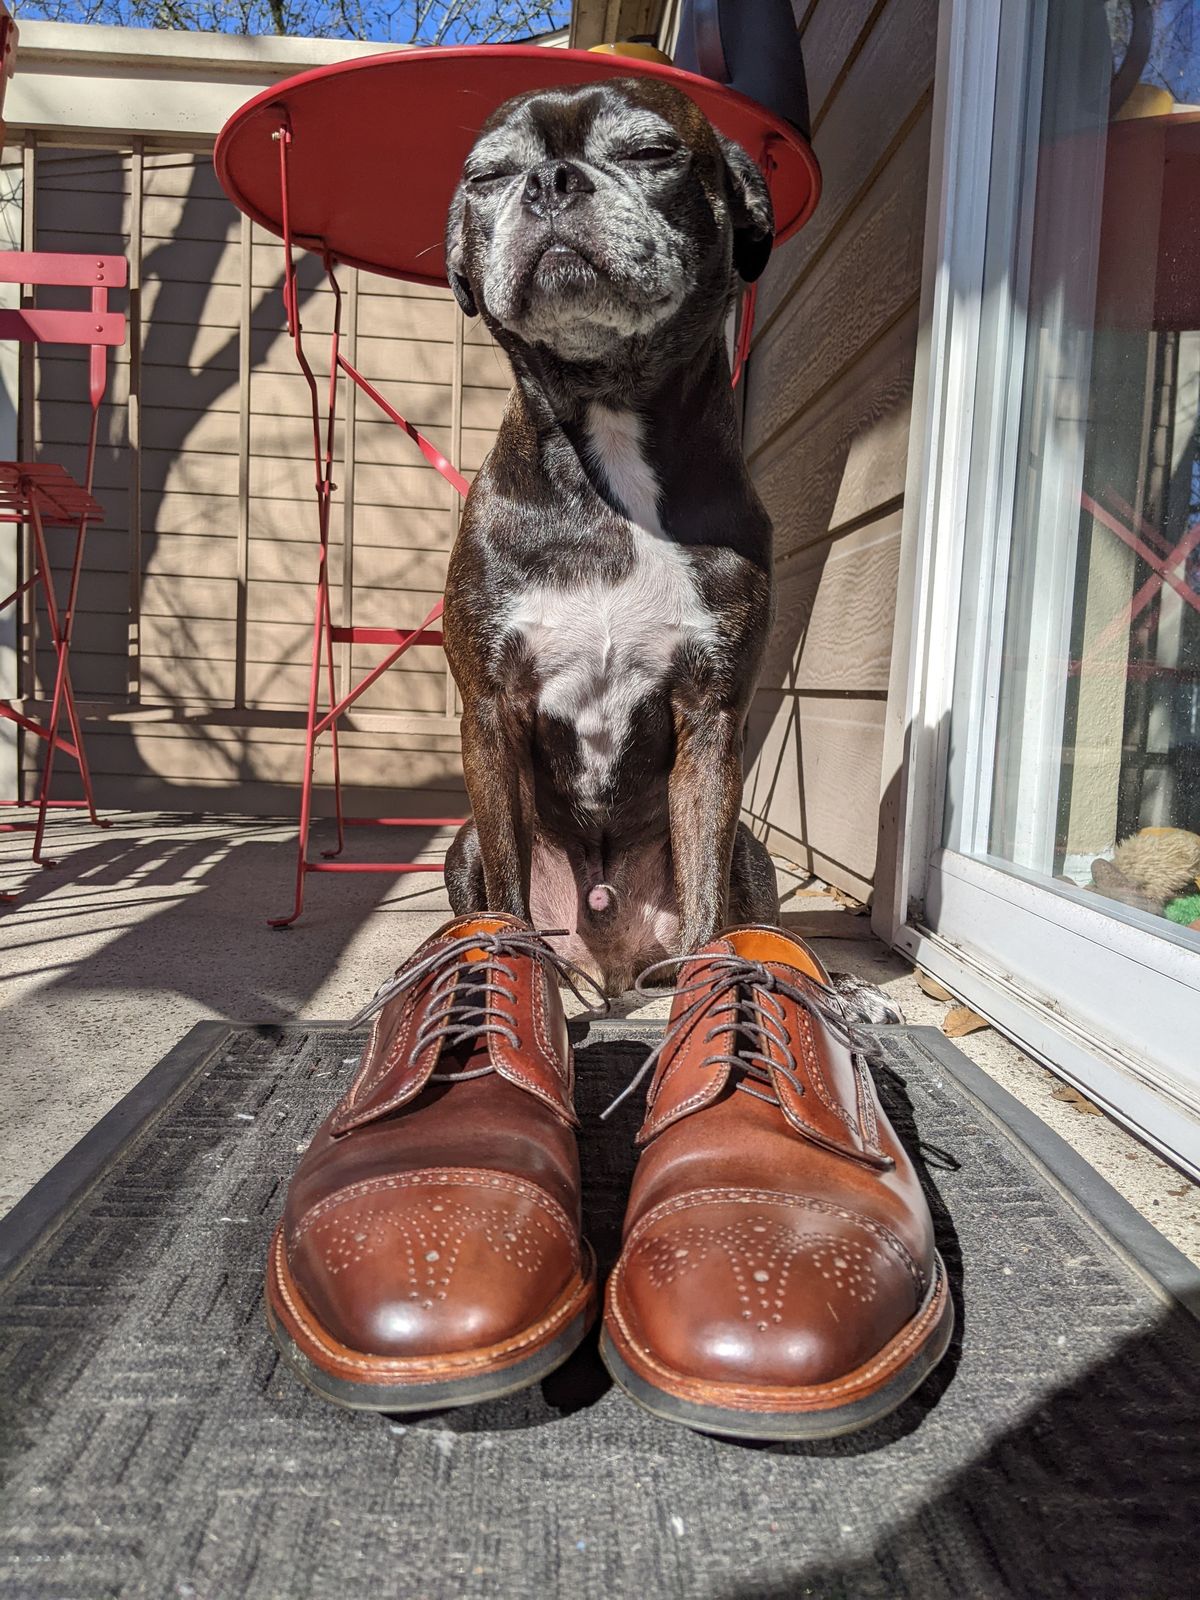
631, 271
584, 278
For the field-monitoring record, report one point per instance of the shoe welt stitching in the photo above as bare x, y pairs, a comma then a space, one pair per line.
395, 1365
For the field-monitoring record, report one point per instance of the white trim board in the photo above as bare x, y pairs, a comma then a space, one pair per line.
935, 499
74, 79
1069, 1052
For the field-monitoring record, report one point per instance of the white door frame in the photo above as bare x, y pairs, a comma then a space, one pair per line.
1092, 993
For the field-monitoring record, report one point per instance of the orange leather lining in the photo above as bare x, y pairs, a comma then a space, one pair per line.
480, 925
769, 944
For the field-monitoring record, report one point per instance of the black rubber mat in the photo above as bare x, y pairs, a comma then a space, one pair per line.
153, 1445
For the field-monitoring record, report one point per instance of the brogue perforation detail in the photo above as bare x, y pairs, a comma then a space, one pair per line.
429, 1236
888, 1243
816, 1076
510, 1065
762, 1255
866, 1104
479, 1180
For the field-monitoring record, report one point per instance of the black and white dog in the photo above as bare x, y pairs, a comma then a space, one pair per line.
610, 593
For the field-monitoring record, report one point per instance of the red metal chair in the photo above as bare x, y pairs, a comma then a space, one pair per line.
44, 495
326, 634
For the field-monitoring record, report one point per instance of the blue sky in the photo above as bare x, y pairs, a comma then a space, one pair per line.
427, 21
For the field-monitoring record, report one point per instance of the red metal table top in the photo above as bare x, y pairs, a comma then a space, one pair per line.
378, 144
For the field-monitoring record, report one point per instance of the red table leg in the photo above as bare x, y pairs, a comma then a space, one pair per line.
325, 633
63, 696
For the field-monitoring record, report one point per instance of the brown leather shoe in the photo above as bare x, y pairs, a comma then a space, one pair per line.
430, 1252
778, 1278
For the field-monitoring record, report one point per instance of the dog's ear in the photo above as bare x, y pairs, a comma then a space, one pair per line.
454, 253
750, 209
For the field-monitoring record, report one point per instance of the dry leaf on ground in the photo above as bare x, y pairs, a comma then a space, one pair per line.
930, 986
848, 900
1078, 1102
961, 1019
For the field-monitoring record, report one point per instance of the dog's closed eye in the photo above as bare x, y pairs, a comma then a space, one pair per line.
481, 180
651, 153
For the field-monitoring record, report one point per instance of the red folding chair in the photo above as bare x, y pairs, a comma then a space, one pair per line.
44, 495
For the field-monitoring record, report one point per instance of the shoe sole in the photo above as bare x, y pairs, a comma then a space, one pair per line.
783, 1414
399, 1384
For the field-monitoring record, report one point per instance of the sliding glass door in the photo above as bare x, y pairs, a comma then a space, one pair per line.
1057, 871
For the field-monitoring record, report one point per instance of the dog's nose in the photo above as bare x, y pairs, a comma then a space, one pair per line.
555, 185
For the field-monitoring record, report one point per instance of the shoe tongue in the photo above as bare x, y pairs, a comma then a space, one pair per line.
494, 923
774, 947
471, 1007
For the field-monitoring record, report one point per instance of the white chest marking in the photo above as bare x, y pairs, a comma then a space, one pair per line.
601, 647
615, 446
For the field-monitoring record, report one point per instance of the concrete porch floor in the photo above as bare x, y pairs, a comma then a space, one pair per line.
159, 922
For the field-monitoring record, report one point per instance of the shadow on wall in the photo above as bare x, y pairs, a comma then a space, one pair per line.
194, 644
814, 736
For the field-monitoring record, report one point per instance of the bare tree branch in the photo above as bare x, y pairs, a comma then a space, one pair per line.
397, 21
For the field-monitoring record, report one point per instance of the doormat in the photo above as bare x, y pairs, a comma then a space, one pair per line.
152, 1445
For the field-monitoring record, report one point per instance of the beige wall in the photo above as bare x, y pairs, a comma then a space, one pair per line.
194, 626
828, 396
194, 629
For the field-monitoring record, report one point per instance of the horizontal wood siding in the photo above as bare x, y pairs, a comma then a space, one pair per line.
194, 630
827, 414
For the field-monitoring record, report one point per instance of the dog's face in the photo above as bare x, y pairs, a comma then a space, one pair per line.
591, 216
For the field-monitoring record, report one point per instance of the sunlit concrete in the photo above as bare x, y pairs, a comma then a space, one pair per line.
160, 922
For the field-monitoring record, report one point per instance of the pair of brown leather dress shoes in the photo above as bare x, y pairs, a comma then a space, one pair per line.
778, 1277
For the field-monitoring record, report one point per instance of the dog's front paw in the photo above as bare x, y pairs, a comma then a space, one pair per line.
865, 1002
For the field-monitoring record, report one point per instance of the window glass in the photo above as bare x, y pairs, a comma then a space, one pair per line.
1075, 736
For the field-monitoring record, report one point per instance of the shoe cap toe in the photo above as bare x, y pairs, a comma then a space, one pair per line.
426, 1268
763, 1294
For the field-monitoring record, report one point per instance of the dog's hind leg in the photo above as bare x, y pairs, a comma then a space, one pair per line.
464, 871
753, 894
865, 1002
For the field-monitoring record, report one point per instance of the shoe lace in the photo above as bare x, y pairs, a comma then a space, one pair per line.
746, 996
469, 1000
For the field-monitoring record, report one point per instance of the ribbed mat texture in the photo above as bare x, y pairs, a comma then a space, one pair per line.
154, 1446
